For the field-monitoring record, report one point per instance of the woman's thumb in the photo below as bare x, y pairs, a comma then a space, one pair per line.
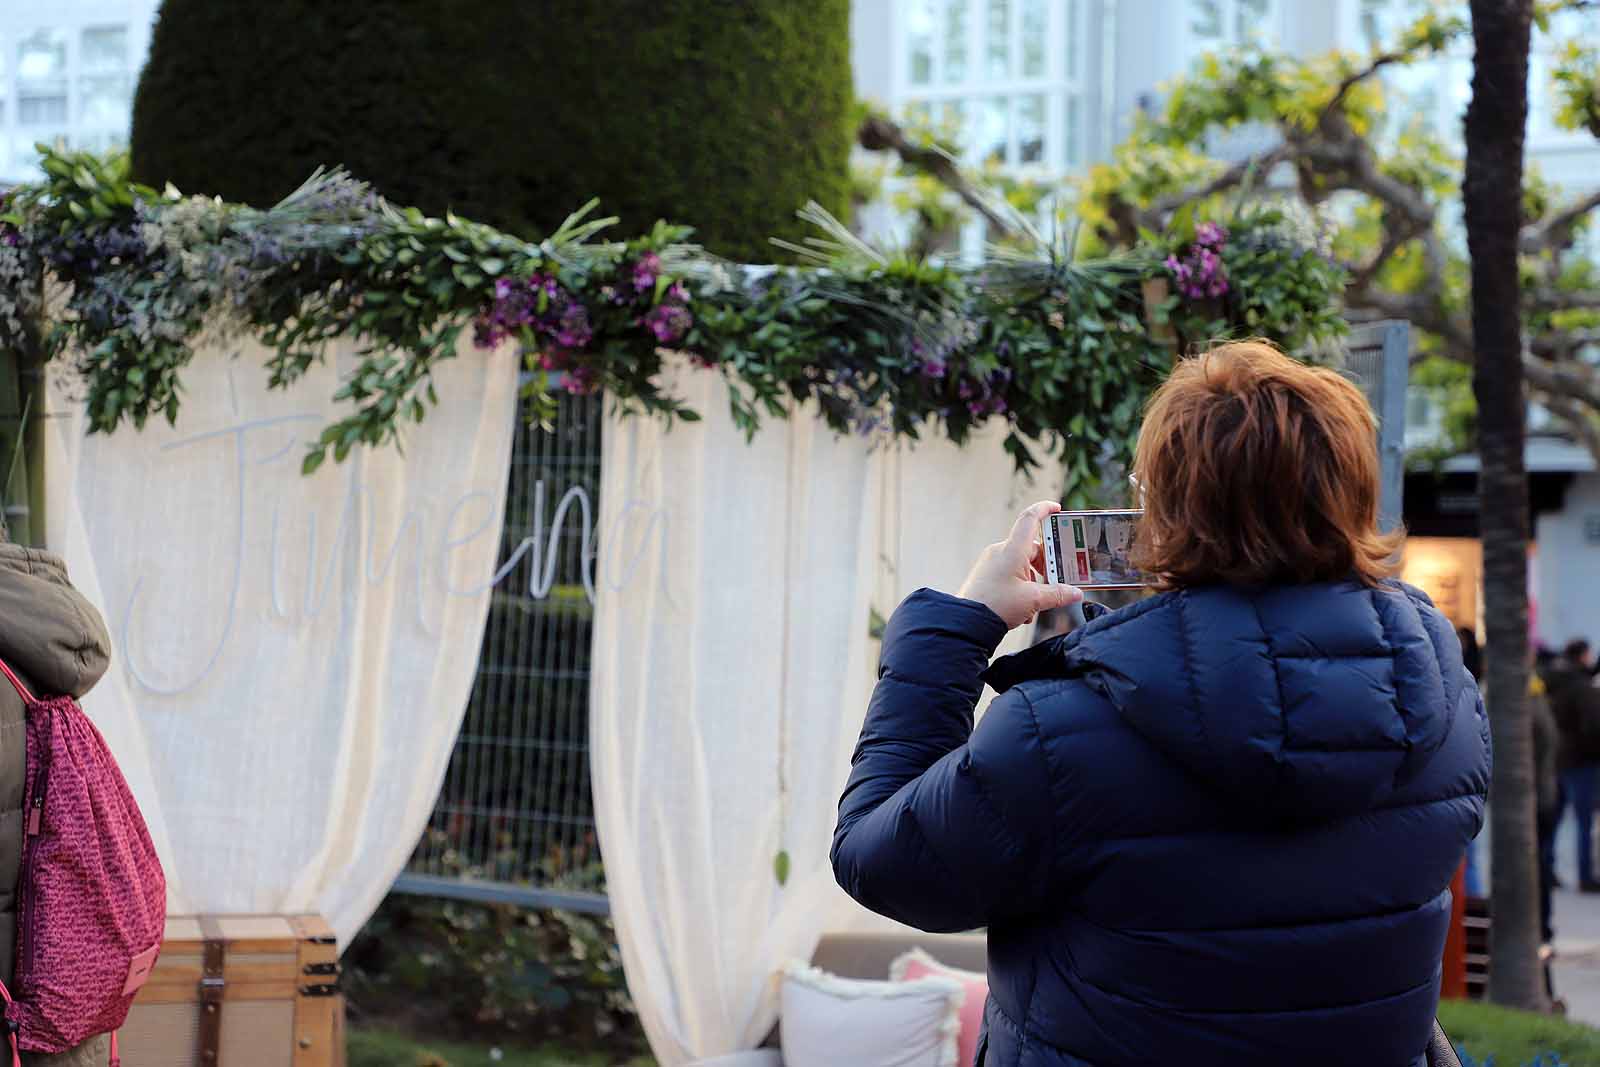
1057, 596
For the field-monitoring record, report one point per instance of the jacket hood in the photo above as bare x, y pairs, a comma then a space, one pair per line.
49, 634
1304, 702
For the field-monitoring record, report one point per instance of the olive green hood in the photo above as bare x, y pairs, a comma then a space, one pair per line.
49, 633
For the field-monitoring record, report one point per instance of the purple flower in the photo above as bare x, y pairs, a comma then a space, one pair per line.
574, 330
933, 368
502, 288
668, 322
1211, 235
678, 293
645, 272
582, 380
486, 334
1200, 275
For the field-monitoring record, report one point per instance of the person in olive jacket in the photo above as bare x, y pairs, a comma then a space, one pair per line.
56, 641
1216, 828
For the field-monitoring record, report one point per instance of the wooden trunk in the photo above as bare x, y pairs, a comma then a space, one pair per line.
240, 991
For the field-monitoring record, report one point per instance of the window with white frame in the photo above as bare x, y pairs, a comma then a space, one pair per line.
1006, 73
1215, 25
105, 80
1434, 92
42, 80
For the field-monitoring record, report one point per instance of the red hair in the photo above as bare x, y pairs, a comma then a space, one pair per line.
1256, 468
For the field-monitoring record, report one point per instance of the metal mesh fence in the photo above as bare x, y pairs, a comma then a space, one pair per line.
515, 818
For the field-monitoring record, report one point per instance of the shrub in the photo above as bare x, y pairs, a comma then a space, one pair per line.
454, 968
727, 117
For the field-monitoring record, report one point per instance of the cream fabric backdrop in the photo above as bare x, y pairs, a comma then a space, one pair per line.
732, 666
293, 655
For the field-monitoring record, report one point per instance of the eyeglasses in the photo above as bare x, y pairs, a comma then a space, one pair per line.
1138, 489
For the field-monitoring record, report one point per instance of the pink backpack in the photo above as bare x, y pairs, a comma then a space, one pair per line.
92, 899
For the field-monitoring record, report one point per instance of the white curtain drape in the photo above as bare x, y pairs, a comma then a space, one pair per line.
733, 661
292, 655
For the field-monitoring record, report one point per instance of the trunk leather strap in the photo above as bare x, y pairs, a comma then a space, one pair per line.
212, 984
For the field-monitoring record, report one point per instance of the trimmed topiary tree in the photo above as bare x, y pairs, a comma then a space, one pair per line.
727, 115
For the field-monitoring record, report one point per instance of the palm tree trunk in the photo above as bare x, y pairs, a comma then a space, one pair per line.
1492, 192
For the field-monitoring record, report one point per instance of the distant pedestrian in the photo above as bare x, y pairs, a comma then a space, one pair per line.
1575, 703
1547, 793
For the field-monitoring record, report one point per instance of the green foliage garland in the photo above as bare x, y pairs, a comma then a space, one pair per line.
882, 344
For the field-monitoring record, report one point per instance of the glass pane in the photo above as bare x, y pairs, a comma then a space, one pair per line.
919, 36
1072, 40
1205, 19
105, 101
42, 110
1252, 20
955, 41
993, 134
1073, 149
998, 32
42, 58
1030, 129
1035, 32
105, 49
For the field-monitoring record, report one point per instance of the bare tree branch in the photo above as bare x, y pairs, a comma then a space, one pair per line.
1231, 178
1569, 378
1556, 232
1422, 310
1579, 423
1362, 277
881, 134
1563, 344
1355, 78
1548, 299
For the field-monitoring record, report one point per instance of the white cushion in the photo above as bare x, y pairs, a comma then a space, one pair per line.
828, 1021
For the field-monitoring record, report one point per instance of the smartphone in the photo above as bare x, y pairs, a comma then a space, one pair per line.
1090, 549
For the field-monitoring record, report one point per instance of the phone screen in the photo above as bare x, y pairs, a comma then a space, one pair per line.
1090, 549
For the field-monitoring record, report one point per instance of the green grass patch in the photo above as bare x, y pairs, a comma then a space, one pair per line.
1515, 1038
382, 1048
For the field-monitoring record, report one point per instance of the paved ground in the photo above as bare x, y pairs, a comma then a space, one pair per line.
1577, 923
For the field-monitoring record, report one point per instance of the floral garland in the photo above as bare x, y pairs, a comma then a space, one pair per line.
881, 343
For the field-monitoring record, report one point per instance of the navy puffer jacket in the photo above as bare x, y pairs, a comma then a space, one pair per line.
1214, 828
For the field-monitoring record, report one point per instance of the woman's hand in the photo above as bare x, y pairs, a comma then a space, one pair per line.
1008, 577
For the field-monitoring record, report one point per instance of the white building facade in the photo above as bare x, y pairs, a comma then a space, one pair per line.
67, 74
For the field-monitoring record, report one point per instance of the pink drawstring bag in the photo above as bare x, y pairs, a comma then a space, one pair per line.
92, 899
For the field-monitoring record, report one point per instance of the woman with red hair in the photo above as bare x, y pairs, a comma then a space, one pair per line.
1216, 828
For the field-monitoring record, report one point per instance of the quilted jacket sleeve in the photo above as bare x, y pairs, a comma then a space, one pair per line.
942, 827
